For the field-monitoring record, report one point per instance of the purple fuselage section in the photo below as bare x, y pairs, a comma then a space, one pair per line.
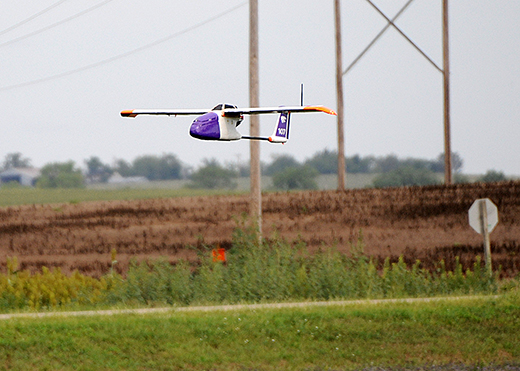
206, 127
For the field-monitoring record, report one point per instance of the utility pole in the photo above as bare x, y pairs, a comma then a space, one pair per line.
446, 73
254, 92
339, 98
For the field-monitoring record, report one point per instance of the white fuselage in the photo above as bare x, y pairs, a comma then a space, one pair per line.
228, 127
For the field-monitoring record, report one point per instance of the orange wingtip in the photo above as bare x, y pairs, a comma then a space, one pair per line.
128, 113
321, 109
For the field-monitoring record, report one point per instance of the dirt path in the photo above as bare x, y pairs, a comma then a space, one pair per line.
236, 307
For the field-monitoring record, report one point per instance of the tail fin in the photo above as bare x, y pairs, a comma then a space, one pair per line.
281, 131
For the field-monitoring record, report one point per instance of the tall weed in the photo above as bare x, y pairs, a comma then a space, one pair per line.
255, 270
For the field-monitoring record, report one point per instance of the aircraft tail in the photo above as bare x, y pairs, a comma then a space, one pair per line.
281, 131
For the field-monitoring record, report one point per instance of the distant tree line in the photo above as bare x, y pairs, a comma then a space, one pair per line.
392, 171
287, 173
326, 162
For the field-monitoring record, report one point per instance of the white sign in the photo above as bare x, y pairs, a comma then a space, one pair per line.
474, 215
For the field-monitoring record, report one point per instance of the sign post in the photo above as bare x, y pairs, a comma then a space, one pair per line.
483, 217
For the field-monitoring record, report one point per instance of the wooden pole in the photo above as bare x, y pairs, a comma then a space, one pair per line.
484, 228
446, 72
254, 93
339, 99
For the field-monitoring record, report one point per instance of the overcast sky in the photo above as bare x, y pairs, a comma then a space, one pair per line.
393, 96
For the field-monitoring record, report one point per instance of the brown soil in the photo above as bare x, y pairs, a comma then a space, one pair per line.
426, 223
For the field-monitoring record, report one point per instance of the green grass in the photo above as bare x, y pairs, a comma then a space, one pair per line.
28, 196
12, 196
475, 332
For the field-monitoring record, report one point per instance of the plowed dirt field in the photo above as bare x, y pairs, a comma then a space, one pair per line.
426, 223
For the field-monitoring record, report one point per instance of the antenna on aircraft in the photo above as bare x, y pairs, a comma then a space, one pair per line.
301, 94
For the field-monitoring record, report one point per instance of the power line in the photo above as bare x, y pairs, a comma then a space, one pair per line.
377, 37
32, 17
406, 37
77, 15
123, 55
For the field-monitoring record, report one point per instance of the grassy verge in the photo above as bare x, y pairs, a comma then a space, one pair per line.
477, 332
25, 196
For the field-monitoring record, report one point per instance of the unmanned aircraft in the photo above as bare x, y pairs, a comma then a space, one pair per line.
220, 123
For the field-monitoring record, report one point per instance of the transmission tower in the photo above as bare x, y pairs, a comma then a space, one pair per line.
445, 72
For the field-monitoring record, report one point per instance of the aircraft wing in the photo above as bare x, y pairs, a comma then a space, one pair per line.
264, 110
244, 111
167, 112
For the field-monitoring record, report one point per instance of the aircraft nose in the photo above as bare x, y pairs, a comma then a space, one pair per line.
206, 127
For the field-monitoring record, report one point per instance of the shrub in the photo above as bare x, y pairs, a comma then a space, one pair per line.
48, 289
61, 175
255, 271
211, 175
281, 163
300, 177
405, 176
493, 176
